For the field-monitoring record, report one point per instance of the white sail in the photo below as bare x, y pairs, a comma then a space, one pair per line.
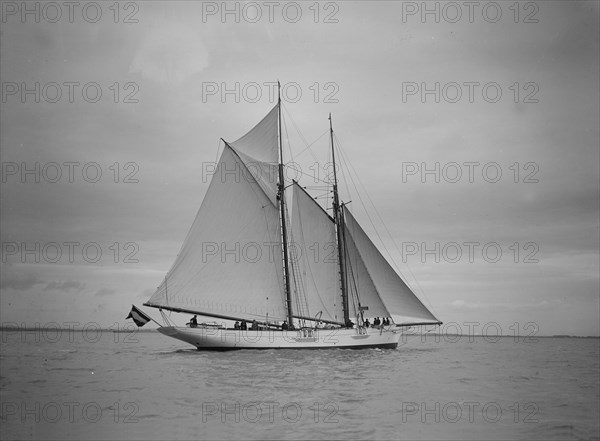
398, 299
259, 150
230, 263
358, 280
314, 252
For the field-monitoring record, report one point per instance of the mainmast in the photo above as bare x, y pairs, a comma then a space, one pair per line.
339, 221
281, 198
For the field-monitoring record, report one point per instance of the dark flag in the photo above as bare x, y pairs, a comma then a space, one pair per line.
139, 317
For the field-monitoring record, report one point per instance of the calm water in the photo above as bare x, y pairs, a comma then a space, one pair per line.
147, 386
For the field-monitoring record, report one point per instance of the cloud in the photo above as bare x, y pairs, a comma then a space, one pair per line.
459, 303
18, 281
146, 293
68, 285
104, 292
170, 54
98, 309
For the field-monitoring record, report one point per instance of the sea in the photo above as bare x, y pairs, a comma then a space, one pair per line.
99, 384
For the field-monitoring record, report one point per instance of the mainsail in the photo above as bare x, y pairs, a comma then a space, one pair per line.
230, 262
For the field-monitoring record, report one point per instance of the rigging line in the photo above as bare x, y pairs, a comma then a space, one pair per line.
343, 160
278, 267
321, 193
287, 137
292, 156
351, 168
301, 135
354, 279
341, 155
301, 300
316, 187
308, 147
312, 176
329, 183
297, 218
302, 290
346, 162
420, 289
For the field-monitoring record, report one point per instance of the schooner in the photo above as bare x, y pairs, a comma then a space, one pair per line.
244, 260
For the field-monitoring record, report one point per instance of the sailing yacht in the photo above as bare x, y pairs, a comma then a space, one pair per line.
312, 281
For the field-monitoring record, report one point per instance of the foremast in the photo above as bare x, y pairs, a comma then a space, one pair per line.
281, 199
339, 222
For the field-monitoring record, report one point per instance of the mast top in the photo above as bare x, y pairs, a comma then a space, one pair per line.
278, 92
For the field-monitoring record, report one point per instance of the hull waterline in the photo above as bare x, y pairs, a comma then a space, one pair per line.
231, 339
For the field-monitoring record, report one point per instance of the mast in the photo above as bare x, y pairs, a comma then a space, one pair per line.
281, 198
338, 219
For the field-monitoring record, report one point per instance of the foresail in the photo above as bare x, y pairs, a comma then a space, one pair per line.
359, 281
259, 150
313, 251
230, 262
403, 305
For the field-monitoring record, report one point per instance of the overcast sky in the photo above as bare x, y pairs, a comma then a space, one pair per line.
517, 93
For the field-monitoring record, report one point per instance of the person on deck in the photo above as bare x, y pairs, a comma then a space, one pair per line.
194, 322
236, 325
367, 324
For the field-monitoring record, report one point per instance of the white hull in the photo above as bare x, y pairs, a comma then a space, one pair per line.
225, 339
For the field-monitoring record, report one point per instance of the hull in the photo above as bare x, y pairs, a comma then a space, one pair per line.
228, 339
